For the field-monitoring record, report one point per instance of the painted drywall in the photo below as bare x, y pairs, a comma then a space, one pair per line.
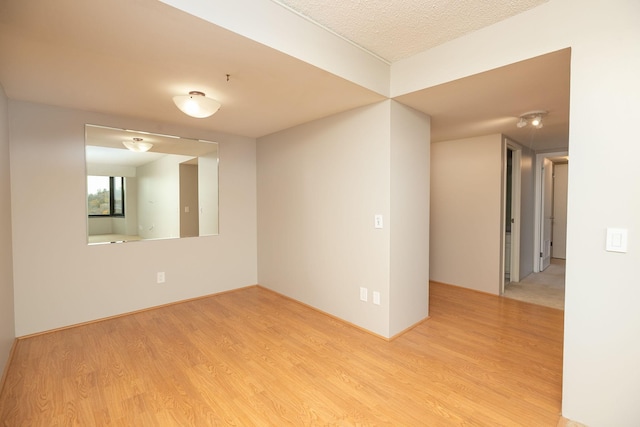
208, 193
159, 197
527, 211
302, 39
60, 280
319, 186
601, 381
409, 221
560, 181
466, 227
189, 218
129, 224
7, 322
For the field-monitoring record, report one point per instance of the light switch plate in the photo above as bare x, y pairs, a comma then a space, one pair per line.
364, 294
616, 240
377, 221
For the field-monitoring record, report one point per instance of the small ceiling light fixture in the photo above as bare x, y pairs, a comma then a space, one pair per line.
137, 145
534, 118
196, 104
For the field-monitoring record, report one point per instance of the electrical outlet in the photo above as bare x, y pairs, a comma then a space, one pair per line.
160, 277
364, 294
376, 297
377, 221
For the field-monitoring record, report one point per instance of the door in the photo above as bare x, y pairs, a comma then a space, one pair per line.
560, 180
547, 214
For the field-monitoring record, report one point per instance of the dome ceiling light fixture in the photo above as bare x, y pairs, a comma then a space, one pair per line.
138, 145
196, 104
533, 118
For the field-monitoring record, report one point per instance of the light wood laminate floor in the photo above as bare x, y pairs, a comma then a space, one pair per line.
254, 358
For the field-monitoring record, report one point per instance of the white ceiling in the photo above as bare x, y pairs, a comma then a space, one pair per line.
104, 146
129, 58
398, 29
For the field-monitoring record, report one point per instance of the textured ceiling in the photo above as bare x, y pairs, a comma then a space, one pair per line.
398, 29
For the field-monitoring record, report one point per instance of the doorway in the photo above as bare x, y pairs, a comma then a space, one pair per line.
545, 213
511, 191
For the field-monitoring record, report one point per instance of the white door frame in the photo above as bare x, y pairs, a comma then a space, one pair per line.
516, 186
539, 209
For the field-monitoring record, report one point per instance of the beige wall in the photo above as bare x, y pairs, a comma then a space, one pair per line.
159, 197
319, 186
409, 221
466, 223
527, 211
602, 322
208, 194
59, 280
294, 37
189, 199
466, 226
7, 325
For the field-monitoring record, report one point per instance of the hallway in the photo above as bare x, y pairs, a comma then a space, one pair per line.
544, 288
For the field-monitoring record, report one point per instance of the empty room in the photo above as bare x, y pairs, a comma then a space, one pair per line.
293, 212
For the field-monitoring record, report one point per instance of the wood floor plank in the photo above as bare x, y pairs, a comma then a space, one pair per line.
252, 357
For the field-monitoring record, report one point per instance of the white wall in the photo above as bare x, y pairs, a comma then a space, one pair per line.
55, 270
159, 197
466, 226
97, 226
560, 181
297, 37
527, 211
319, 186
602, 321
208, 193
129, 224
409, 221
601, 381
7, 323
189, 218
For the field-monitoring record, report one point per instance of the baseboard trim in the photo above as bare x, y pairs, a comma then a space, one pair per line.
435, 282
346, 322
339, 319
5, 371
116, 316
566, 422
404, 331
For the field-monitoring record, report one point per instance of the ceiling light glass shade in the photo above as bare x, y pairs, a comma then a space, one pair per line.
537, 121
534, 118
137, 146
196, 104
